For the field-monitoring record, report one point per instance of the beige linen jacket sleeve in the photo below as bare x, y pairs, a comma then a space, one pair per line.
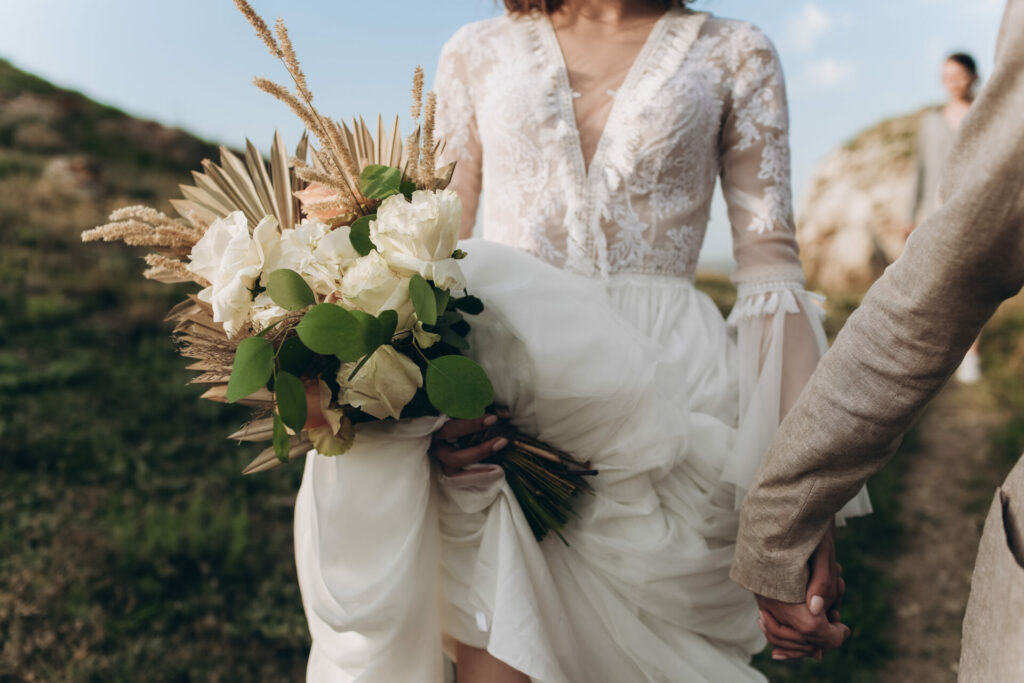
902, 344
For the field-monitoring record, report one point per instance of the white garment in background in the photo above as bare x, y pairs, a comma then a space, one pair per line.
596, 338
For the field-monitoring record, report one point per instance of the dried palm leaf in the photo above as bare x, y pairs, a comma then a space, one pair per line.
267, 460
219, 393
256, 430
247, 186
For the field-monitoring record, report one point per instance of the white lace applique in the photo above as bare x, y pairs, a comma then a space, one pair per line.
644, 204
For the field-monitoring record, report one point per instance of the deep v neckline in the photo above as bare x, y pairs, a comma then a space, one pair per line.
565, 96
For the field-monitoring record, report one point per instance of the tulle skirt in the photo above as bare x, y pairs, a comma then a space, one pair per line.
636, 374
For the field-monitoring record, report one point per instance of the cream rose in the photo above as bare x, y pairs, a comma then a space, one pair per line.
371, 286
383, 386
232, 260
419, 236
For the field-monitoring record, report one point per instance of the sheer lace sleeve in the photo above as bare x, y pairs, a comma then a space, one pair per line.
456, 125
778, 324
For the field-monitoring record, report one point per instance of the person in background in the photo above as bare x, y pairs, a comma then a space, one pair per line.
934, 141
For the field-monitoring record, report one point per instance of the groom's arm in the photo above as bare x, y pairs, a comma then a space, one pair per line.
902, 344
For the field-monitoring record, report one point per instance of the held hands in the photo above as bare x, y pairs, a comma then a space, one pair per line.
810, 628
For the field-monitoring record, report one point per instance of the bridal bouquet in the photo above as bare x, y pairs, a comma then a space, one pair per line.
331, 289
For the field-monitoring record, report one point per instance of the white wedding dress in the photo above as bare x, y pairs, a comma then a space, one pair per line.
596, 338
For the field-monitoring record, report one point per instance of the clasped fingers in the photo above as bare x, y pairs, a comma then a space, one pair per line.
453, 458
805, 636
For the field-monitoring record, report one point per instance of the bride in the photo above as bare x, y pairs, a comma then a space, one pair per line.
589, 134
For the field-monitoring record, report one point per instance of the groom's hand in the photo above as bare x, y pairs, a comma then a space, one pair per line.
810, 628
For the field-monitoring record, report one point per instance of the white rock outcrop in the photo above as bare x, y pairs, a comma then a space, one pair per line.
852, 222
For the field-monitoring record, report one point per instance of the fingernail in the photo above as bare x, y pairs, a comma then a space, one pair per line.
779, 657
490, 420
817, 605
499, 444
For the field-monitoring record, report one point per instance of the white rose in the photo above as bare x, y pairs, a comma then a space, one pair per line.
419, 236
383, 386
232, 260
371, 286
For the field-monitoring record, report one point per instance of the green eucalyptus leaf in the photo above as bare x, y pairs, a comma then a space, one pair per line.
252, 368
453, 338
458, 387
423, 300
330, 330
293, 356
469, 304
288, 290
291, 400
407, 188
379, 182
359, 235
451, 318
458, 254
388, 324
443, 296
370, 330
280, 439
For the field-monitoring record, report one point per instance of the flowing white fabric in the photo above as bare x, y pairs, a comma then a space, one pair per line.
601, 346
367, 553
642, 590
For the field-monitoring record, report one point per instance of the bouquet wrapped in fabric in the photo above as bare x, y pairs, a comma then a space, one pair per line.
331, 289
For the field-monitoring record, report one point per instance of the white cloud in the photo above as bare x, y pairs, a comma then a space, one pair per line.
808, 27
829, 72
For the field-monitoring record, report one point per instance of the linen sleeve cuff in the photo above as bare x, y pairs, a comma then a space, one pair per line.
773, 578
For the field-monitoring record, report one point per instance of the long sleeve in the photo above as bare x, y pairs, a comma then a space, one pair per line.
464, 497
904, 342
457, 126
778, 324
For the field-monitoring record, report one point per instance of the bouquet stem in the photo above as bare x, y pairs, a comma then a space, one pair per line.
544, 479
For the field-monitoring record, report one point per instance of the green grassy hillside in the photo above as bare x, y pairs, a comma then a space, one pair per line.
130, 546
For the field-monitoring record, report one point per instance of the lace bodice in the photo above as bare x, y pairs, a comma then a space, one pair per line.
704, 98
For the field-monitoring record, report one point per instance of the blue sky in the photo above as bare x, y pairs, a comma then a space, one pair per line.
190, 63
